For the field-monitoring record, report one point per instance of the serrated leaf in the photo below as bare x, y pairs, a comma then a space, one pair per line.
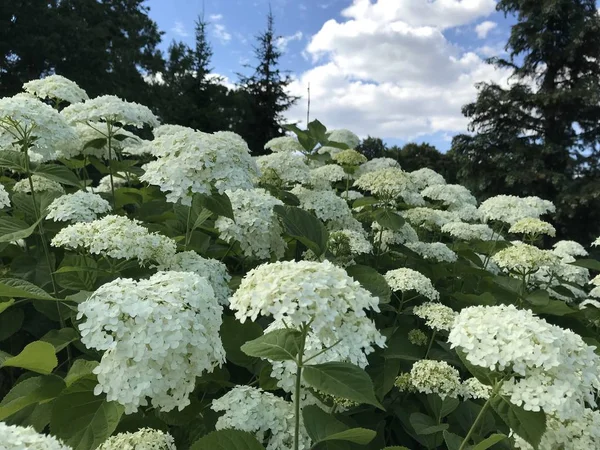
277, 345
588, 264
304, 227
5, 305
529, 425
38, 357
219, 204
81, 419
81, 368
59, 173
234, 334
14, 287
96, 143
227, 440
60, 338
342, 380
424, 424
491, 440
453, 441
539, 297
389, 219
371, 280
12, 229
13, 160
30, 391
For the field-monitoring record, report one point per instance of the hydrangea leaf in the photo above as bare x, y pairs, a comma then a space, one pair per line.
530, 425
277, 345
304, 227
323, 427
227, 440
38, 357
490, 441
30, 391
371, 280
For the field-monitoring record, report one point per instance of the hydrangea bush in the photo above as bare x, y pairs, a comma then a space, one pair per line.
163, 289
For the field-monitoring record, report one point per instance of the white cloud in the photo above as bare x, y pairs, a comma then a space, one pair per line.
216, 17
389, 70
484, 28
283, 41
221, 33
179, 29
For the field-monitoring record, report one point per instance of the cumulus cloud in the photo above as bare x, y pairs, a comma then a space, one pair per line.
388, 70
221, 33
484, 28
283, 41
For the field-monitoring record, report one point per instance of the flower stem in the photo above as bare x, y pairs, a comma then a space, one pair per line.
110, 172
495, 392
297, 392
430, 343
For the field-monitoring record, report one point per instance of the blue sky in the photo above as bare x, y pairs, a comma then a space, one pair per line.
396, 69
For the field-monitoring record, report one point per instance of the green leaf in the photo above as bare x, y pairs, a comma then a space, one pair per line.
81, 368
219, 204
364, 201
372, 281
227, 440
304, 227
234, 334
423, 424
96, 143
485, 299
554, 308
488, 442
13, 160
361, 436
77, 272
81, 419
5, 305
453, 441
12, 229
323, 427
278, 345
539, 297
588, 264
30, 391
38, 357
389, 219
342, 380
13, 287
11, 321
529, 425
399, 347
59, 173
395, 447
60, 338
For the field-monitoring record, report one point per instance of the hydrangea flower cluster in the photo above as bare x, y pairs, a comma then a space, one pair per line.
13, 437
269, 417
213, 270
81, 206
426, 177
428, 218
564, 249
510, 209
146, 438
433, 250
377, 164
475, 389
91, 131
470, 231
343, 136
40, 184
417, 337
157, 335
164, 129
287, 144
387, 238
435, 377
54, 137
119, 180
117, 237
436, 316
524, 258
405, 279
56, 87
256, 226
533, 227
4, 198
390, 183
195, 162
283, 168
322, 177
357, 243
328, 207
454, 195
110, 108
553, 369
349, 158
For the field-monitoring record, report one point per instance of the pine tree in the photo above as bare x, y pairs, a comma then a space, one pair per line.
540, 134
263, 96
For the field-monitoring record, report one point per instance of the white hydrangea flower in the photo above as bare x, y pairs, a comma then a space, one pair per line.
322, 177
351, 195
571, 249
283, 168
40, 184
596, 243
288, 144
144, 439
532, 226
269, 417
595, 281
436, 316
405, 279
110, 108
213, 270
162, 130
191, 163
510, 209
349, 158
524, 258
428, 218
54, 137
594, 303
390, 183
343, 136
14, 437
433, 250
475, 389
435, 377
78, 207
376, 164
470, 231
56, 87
564, 274
387, 238
426, 177
4, 198
328, 207
256, 225
119, 180
466, 212
579, 433
157, 335
355, 337
357, 242
299, 293
117, 237
553, 369
450, 195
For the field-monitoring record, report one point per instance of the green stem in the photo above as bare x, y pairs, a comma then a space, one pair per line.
188, 235
297, 392
477, 419
430, 343
110, 171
